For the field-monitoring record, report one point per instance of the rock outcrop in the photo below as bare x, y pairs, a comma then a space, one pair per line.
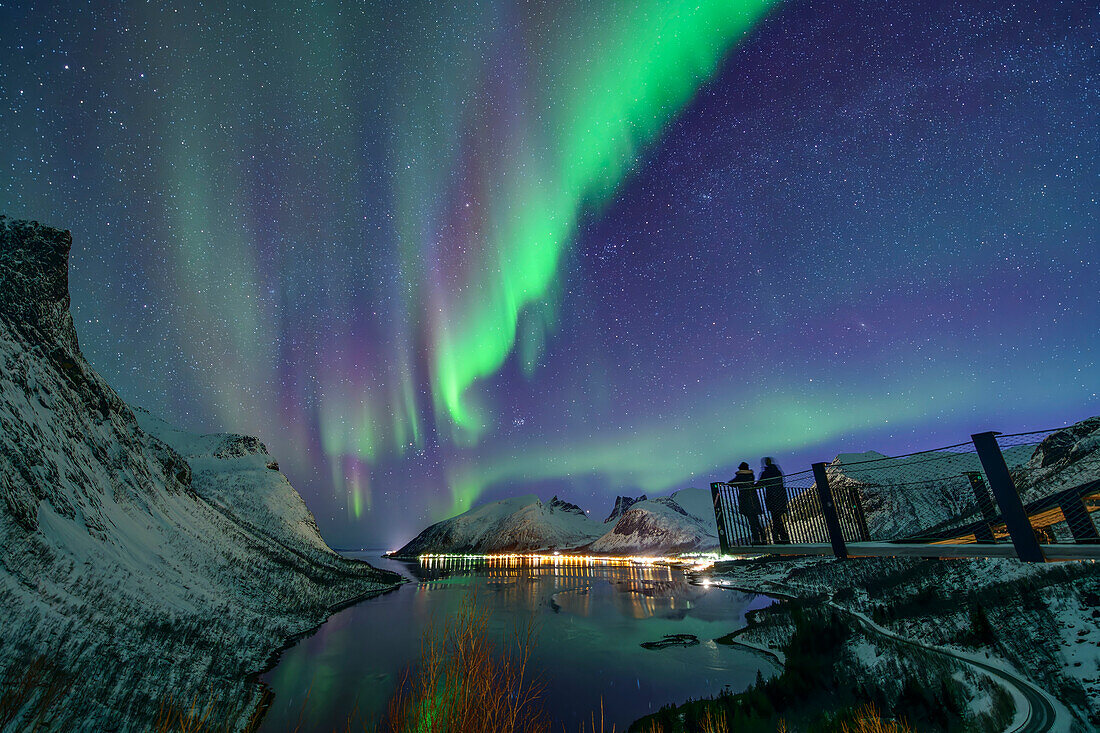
622, 503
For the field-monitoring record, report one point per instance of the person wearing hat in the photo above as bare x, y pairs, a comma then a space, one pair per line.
748, 502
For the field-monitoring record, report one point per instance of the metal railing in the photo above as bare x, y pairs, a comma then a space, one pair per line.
1030, 489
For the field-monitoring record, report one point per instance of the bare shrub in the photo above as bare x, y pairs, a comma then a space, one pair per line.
465, 682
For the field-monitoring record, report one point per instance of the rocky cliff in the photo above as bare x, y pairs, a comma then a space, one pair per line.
141, 564
622, 503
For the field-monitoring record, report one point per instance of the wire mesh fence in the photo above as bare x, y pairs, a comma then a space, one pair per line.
943, 495
781, 511
1059, 481
917, 495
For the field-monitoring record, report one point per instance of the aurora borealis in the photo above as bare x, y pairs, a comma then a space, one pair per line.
436, 254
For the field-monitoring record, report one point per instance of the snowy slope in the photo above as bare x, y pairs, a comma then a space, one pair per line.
236, 473
145, 562
1064, 459
682, 522
904, 496
522, 523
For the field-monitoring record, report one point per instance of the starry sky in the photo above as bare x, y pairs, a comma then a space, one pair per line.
438, 254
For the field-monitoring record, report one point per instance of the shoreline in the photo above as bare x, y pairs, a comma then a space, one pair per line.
262, 694
730, 639
768, 663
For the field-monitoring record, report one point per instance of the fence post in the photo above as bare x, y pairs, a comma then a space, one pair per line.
1008, 498
983, 533
719, 517
828, 510
1077, 517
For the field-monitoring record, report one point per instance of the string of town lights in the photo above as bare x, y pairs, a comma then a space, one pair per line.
698, 562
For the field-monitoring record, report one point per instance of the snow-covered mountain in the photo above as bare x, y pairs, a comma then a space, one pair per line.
518, 524
682, 522
1064, 459
904, 496
142, 563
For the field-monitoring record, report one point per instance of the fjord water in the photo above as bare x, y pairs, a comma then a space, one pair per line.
590, 619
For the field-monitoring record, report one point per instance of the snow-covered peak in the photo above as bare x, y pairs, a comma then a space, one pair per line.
681, 522
522, 523
565, 506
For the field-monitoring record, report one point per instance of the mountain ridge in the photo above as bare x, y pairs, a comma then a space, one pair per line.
526, 524
186, 559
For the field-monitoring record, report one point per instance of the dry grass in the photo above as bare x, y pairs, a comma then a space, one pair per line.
465, 682
868, 720
715, 722
192, 718
32, 693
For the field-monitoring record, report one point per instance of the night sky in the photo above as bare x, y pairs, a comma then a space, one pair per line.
437, 254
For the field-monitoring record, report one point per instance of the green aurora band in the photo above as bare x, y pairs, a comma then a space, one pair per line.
602, 96
434, 252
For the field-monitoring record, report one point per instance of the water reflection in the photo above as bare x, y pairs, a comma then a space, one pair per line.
591, 619
643, 590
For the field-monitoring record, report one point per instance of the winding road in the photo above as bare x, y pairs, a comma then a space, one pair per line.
1041, 716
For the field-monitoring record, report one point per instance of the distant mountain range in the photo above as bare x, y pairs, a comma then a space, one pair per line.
681, 522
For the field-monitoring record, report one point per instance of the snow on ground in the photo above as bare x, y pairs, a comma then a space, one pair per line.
141, 562
237, 473
1044, 617
518, 524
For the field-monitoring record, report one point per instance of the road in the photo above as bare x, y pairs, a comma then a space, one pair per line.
1041, 716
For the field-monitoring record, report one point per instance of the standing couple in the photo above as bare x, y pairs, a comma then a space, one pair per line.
775, 500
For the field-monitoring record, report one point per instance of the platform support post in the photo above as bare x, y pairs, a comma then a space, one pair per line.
828, 510
984, 533
1078, 518
1008, 498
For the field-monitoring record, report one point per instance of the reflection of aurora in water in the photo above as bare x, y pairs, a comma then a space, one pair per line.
591, 618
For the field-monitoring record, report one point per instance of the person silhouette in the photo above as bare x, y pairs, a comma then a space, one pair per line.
748, 502
775, 500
